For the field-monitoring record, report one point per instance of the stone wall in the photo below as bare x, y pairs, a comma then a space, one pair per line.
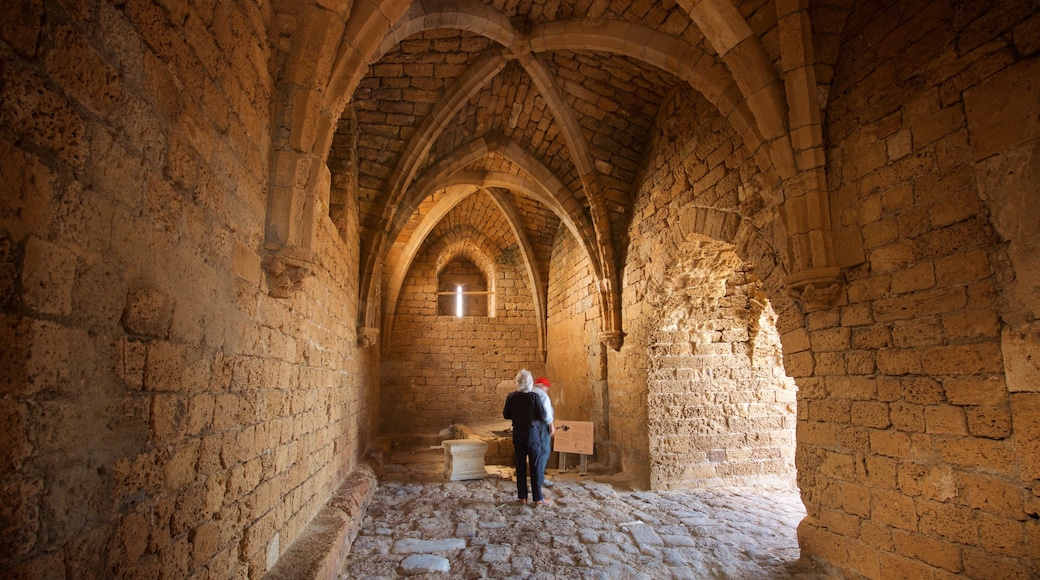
164, 416
574, 361
916, 454
720, 406
443, 369
702, 352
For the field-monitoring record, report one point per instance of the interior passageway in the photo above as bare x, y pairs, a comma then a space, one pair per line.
766, 244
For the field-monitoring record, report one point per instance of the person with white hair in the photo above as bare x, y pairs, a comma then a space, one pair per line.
525, 410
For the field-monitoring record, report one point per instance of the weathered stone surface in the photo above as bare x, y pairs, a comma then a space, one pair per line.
424, 564
412, 546
705, 529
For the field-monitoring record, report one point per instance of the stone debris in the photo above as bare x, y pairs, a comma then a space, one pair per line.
424, 564
591, 530
413, 546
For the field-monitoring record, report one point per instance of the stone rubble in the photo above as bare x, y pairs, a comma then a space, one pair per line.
589, 531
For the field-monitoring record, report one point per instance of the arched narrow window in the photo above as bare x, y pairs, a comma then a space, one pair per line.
462, 290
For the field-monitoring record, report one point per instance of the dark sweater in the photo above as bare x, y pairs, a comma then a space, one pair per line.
523, 409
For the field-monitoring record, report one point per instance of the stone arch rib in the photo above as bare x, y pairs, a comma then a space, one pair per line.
752, 70
703, 72
469, 15
480, 19
454, 197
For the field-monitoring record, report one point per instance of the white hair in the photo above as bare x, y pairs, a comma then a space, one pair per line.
524, 382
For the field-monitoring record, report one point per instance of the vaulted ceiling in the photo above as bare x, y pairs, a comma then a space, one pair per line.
549, 107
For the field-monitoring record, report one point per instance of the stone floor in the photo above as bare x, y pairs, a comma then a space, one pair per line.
421, 525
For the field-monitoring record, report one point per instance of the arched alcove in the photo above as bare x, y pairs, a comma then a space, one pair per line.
720, 408
440, 369
465, 281
462, 290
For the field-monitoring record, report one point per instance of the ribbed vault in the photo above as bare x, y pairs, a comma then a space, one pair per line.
552, 101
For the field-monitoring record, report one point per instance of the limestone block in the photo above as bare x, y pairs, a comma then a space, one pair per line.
464, 458
997, 456
82, 72
424, 564
983, 358
890, 443
414, 546
43, 116
1025, 408
168, 417
1020, 348
246, 264
148, 312
990, 422
945, 420
1001, 112
204, 542
48, 274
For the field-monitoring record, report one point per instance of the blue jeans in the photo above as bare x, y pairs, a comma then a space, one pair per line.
527, 447
546, 444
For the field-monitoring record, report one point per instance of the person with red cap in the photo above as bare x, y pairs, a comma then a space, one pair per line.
547, 429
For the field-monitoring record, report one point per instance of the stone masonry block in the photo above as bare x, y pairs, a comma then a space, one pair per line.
48, 275
823, 543
919, 304
832, 339
989, 422
991, 494
168, 417
975, 390
871, 414
979, 563
894, 509
148, 312
890, 443
81, 71
983, 358
43, 116
1025, 410
21, 498
1000, 112
164, 367
898, 566
1020, 348
974, 452
945, 420
14, 438
204, 542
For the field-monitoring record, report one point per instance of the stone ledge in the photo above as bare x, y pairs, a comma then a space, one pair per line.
322, 548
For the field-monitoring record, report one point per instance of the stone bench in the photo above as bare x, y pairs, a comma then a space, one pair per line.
464, 458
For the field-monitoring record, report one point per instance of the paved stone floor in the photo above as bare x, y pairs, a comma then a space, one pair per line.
422, 526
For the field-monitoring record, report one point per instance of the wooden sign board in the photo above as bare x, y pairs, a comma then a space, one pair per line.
573, 437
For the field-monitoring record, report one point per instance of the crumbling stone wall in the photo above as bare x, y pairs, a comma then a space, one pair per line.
439, 369
916, 454
702, 352
720, 407
164, 416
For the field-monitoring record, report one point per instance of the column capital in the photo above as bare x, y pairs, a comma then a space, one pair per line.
612, 339
287, 267
367, 336
817, 289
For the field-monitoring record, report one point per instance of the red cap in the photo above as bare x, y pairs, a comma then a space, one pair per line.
543, 381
